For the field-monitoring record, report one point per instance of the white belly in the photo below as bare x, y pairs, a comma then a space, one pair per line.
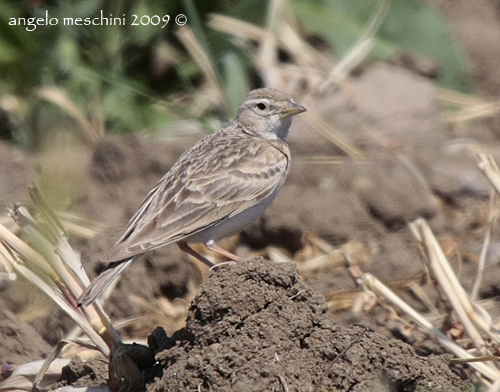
233, 225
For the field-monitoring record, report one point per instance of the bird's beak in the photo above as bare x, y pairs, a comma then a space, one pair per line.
292, 110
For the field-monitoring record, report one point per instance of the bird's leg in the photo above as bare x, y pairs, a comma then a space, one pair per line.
214, 248
186, 248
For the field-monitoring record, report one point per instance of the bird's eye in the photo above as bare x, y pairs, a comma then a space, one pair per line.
261, 106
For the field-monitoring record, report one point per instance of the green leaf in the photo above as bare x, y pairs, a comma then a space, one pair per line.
409, 25
339, 27
236, 80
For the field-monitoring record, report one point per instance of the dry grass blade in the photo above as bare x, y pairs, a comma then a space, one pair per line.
277, 255
347, 300
466, 309
79, 226
482, 110
322, 160
8, 223
22, 378
59, 298
48, 261
236, 27
48, 247
478, 359
334, 137
307, 65
489, 168
282, 33
331, 260
495, 387
4, 261
492, 215
455, 98
379, 288
267, 59
301, 51
359, 51
468, 107
195, 49
14, 245
303, 54
55, 230
59, 98
422, 296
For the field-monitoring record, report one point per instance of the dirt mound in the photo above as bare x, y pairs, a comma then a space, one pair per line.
255, 326
20, 342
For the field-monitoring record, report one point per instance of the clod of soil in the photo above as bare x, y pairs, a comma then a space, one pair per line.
256, 327
90, 373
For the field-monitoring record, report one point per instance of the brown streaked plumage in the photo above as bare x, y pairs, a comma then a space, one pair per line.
214, 190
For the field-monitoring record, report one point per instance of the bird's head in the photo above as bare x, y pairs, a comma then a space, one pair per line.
267, 113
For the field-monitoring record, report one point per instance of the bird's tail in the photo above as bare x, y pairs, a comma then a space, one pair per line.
99, 284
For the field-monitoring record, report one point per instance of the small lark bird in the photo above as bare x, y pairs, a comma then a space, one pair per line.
215, 189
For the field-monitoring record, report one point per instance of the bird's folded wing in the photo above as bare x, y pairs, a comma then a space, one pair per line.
198, 193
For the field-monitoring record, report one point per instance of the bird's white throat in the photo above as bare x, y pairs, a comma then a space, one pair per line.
278, 128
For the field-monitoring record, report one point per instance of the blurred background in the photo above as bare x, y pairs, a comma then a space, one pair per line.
134, 78
401, 95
